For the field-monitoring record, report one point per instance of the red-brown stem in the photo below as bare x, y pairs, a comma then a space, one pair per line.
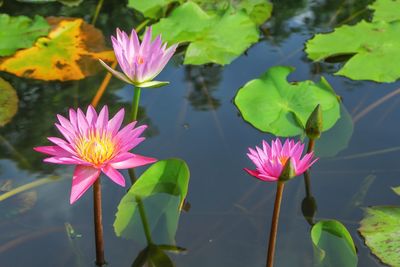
274, 224
311, 145
98, 225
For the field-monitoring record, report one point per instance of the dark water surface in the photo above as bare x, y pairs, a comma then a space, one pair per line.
194, 118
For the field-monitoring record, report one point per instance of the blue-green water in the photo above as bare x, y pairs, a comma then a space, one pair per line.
194, 118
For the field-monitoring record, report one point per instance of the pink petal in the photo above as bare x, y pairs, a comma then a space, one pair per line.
114, 175
115, 123
134, 161
62, 160
61, 143
117, 74
102, 120
91, 115
83, 178
52, 150
83, 124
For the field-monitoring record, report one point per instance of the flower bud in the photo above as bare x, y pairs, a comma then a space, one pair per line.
287, 171
314, 123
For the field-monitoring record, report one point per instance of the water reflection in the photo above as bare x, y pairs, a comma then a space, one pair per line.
202, 82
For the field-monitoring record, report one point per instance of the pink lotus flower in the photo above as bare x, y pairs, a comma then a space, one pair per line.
95, 144
140, 63
270, 160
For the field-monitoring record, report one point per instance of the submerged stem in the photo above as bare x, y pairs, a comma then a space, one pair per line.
135, 103
142, 211
274, 224
98, 225
97, 11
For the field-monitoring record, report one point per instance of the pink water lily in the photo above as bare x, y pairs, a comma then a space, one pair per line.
140, 62
270, 160
95, 144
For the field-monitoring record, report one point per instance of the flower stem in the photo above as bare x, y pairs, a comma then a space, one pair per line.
142, 211
135, 103
97, 11
98, 225
307, 180
274, 224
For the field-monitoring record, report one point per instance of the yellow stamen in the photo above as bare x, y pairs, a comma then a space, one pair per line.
95, 148
283, 160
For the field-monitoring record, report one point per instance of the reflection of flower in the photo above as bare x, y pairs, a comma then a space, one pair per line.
270, 160
95, 144
140, 62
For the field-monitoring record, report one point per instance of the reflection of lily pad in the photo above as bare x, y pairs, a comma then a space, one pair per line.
272, 104
161, 189
387, 10
381, 231
212, 38
69, 52
337, 138
333, 245
8, 102
20, 32
374, 49
19, 204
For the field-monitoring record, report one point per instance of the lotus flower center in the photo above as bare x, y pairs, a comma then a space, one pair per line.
283, 160
140, 60
95, 148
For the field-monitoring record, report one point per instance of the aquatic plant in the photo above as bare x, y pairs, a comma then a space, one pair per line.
95, 144
140, 62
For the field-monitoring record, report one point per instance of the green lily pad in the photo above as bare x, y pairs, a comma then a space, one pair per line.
161, 189
396, 190
387, 10
20, 32
258, 10
69, 3
8, 102
333, 245
211, 38
272, 104
374, 50
381, 230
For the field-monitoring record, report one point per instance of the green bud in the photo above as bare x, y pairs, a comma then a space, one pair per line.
287, 171
309, 209
314, 123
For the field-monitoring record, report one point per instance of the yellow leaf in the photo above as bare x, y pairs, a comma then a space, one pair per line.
70, 52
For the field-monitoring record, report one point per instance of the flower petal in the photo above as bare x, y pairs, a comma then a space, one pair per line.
117, 74
52, 150
114, 175
134, 161
83, 178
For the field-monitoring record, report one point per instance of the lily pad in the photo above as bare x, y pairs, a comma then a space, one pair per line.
374, 50
70, 52
381, 231
272, 104
258, 10
396, 190
69, 3
387, 10
333, 245
161, 189
20, 32
211, 38
8, 102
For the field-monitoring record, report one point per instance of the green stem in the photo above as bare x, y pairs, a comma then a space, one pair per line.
307, 180
142, 25
274, 224
142, 211
135, 103
97, 11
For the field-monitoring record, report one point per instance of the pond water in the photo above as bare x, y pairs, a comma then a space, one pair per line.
195, 119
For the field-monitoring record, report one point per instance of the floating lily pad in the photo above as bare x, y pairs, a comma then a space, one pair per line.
161, 189
272, 104
258, 10
212, 38
69, 3
381, 231
69, 52
8, 102
387, 10
373, 48
333, 245
20, 32
396, 190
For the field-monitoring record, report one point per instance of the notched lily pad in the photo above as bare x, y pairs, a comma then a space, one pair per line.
381, 231
272, 104
70, 52
374, 50
8, 102
387, 10
20, 32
